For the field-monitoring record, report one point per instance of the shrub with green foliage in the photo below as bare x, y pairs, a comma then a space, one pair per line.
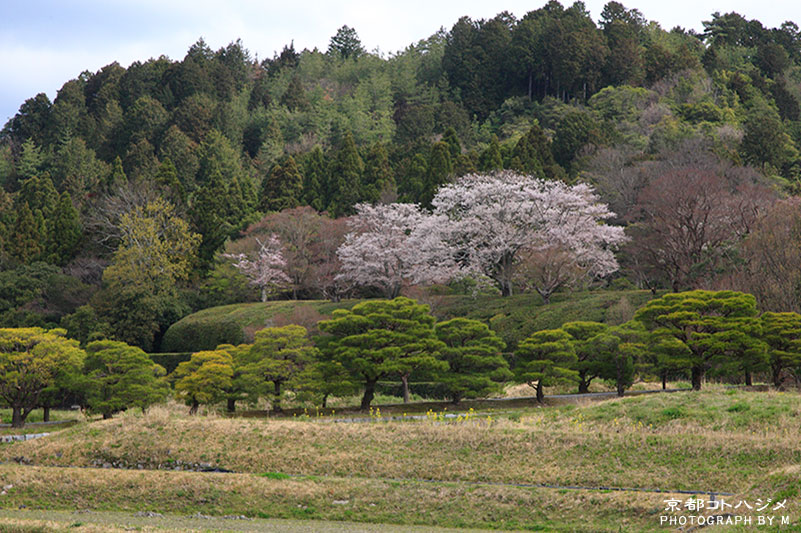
591, 361
700, 330
194, 334
545, 359
473, 353
381, 338
205, 379
118, 376
278, 356
32, 360
782, 333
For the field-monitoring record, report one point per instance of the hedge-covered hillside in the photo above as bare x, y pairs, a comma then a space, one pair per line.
232, 324
513, 317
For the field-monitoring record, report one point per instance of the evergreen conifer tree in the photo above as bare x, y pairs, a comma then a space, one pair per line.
25, 239
314, 179
491, 158
117, 178
346, 178
283, 188
64, 231
378, 176
440, 168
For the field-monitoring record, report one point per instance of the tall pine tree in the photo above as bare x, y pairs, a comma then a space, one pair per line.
346, 178
167, 177
314, 179
491, 158
117, 178
412, 187
532, 155
210, 213
64, 231
452, 140
39, 194
24, 243
283, 188
440, 167
378, 179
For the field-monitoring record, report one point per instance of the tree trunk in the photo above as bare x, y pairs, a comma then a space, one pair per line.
540, 394
664, 380
17, 420
325, 400
621, 388
748, 381
530, 78
776, 375
194, 407
546, 295
46, 413
697, 377
506, 288
369, 394
277, 397
584, 383
393, 291
231, 407
405, 380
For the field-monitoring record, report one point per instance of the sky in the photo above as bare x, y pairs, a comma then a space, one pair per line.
44, 43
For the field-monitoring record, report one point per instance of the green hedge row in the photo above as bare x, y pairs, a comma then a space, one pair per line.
193, 334
170, 360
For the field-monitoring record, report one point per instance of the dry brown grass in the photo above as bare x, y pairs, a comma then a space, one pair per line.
451, 504
719, 440
19, 525
541, 446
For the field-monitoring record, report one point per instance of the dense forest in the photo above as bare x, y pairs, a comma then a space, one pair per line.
136, 196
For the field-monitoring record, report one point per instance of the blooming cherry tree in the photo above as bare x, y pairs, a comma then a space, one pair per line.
496, 220
266, 270
395, 245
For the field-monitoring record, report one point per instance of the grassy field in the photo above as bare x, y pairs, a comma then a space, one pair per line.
513, 318
483, 470
115, 521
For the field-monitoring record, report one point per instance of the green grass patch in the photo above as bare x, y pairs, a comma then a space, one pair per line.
275, 475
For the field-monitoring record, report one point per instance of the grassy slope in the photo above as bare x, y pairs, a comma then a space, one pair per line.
514, 317
730, 441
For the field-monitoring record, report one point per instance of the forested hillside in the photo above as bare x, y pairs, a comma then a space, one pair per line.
140, 194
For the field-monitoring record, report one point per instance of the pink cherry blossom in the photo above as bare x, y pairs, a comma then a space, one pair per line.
266, 269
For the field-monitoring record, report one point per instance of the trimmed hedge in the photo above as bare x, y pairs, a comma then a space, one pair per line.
170, 360
513, 317
193, 334
227, 324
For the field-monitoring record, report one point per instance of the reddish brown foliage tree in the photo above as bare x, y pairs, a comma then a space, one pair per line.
310, 241
772, 258
686, 225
